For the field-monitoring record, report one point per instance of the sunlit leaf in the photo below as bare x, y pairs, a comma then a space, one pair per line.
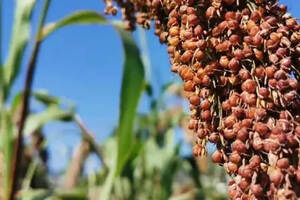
78, 18
19, 40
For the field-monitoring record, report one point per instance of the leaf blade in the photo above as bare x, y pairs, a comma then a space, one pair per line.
52, 113
133, 85
80, 18
45, 98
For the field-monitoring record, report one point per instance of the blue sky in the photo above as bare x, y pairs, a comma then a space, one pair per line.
84, 64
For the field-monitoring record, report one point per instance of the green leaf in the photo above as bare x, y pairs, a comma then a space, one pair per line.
158, 156
133, 84
16, 102
108, 154
79, 18
108, 184
36, 121
45, 98
38, 194
19, 40
74, 194
2, 86
32, 168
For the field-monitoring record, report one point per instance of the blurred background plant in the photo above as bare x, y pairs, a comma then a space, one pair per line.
140, 160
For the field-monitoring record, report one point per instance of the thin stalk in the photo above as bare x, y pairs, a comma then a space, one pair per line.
18, 146
88, 136
75, 168
29, 175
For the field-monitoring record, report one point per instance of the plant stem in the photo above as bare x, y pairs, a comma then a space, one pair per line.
75, 168
88, 136
25, 107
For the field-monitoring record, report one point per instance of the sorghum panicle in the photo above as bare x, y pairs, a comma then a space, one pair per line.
239, 62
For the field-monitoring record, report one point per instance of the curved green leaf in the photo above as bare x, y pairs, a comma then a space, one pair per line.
79, 18
133, 84
45, 98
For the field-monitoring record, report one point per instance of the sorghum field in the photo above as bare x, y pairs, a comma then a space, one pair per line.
226, 126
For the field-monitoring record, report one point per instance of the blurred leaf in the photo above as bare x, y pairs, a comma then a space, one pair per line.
111, 161
184, 196
149, 90
39, 194
168, 174
156, 156
170, 143
74, 194
108, 145
79, 18
19, 40
16, 101
45, 98
7, 145
108, 184
156, 167
29, 174
35, 194
142, 122
122, 188
2, 86
36, 121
